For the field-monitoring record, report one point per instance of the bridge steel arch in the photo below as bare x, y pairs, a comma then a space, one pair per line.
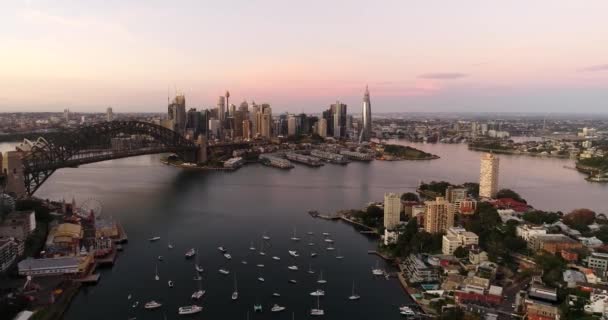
92, 143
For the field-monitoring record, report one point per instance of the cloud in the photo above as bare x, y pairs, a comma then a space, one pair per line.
443, 75
599, 67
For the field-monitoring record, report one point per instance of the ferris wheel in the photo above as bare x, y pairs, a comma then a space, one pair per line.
93, 205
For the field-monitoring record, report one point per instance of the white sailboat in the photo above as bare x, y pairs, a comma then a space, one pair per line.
321, 280
377, 271
197, 266
353, 295
338, 255
169, 245
310, 271
276, 258
251, 247
294, 237
224, 271
154, 239
317, 311
156, 277
262, 253
265, 236
293, 268
235, 294
170, 284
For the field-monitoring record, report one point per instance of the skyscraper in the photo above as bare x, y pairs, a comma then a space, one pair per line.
439, 215
339, 119
109, 114
322, 127
227, 101
392, 210
221, 108
488, 177
366, 116
66, 115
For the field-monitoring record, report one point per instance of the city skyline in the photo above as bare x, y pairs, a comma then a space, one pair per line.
299, 58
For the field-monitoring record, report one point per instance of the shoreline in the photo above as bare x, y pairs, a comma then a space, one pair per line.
517, 153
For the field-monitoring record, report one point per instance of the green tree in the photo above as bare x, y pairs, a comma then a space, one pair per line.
508, 193
409, 196
579, 219
461, 252
541, 217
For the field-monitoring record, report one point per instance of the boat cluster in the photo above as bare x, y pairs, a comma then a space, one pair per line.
199, 293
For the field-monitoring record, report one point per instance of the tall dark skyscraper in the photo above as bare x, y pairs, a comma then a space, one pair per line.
366, 118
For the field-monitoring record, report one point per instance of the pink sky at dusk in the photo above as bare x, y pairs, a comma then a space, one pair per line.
470, 55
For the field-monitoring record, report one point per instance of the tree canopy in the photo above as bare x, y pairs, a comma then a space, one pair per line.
508, 193
541, 217
409, 196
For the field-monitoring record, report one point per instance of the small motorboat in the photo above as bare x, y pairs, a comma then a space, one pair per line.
293, 268
170, 283
224, 271
222, 249
160, 258
276, 258
190, 253
277, 308
134, 305
227, 256
293, 253
152, 305
154, 239
318, 293
189, 309
276, 294
198, 294
198, 268
293, 281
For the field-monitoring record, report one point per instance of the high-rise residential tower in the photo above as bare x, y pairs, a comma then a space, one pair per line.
366, 117
392, 210
109, 114
439, 215
221, 108
488, 177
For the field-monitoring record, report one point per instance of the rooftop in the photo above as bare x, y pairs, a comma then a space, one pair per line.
41, 264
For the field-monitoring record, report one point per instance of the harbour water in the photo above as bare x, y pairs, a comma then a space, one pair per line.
205, 210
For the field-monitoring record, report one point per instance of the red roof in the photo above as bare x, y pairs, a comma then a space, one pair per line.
508, 203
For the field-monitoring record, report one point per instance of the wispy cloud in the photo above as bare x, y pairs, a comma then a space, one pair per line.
443, 75
599, 67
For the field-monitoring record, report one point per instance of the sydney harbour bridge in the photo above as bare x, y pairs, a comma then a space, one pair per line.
36, 160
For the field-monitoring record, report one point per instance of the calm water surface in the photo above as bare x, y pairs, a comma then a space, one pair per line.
206, 210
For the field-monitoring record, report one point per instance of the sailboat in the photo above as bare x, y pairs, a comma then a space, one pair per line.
235, 294
152, 305
293, 268
262, 253
198, 293
156, 277
251, 247
377, 271
169, 245
197, 266
353, 295
294, 237
170, 283
321, 280
339, 256
310, 271
265, 236
277, 308
317, 311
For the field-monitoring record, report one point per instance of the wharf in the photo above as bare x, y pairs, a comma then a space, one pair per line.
383, 256
107, 260
92, 278
122, 235
353, 222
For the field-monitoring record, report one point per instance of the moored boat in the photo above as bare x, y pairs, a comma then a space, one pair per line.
189, 309
152, 305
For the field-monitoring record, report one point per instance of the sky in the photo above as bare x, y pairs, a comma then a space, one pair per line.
301, 56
